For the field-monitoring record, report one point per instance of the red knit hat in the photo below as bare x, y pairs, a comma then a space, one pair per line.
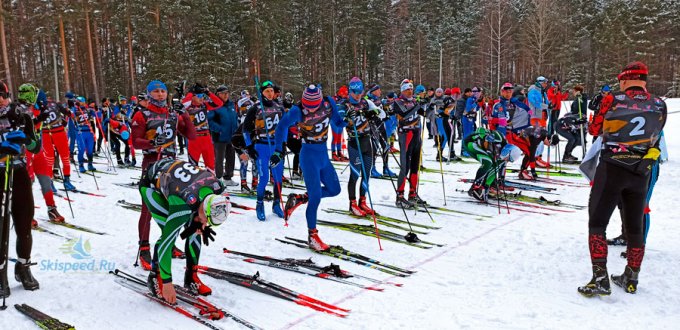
634, 71
455, 90
447, 91
343, 91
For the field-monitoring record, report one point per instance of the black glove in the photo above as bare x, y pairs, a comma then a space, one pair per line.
275, 159
421, 111
554, 139
191, 229
159, 140
198, 88
372, 113
71, 103
178, 107
43, 116
208, 235
252, 153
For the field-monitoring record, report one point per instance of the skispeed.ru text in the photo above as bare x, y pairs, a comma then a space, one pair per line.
65, 267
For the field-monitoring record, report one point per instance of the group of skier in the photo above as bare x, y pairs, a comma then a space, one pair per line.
186, 200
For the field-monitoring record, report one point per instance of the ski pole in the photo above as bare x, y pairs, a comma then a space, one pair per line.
420, 161
364, 182
69, 119
4, 235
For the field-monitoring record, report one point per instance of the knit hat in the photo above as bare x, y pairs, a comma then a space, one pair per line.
265, 85
406, 85
541, 79
419, 89
634, 71
447, 91
507, 85
69, 95
356, 86
244, 93
467, 90
311, 98
455, 90
606, 88
439, 90
343, 91
373, 88
222, 89
476, 89
154, 85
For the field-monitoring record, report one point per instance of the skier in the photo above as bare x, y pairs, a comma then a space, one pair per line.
71, 126
84, 119
374, 94
154, 131
538, 102
359, 112
469, 115
605, 96
555, 97
259, 126
31, 100
194, 103
492, 151
54, 138
223, 123
244, 103
336, 131
179, 194
632, 124
119, 133
16, 127
522, 134
569, 127
313, 117
408, 109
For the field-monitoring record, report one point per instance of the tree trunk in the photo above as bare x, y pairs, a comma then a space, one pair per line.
5, 58
130, 57
64, 55
90, 53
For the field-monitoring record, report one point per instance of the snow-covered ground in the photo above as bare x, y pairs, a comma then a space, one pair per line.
517, 270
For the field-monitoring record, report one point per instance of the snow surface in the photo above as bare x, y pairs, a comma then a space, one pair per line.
517, 270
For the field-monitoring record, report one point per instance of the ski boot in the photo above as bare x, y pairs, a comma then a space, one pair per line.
177, 253
598, 285
4, 283
90, 167
145, 255
276, 209
297, 175
155, 284
478, 192
315, 241
414, 199
67, 183
628, 280
394, 150
120, 162
244, 187
81, 168
364, 207
465, 154
355, 209
401, 202
229, 182
259, 209
455, 158
194, 284
620, 240
253, 185
342, 157
534, 174
22, 273
542, 163
388, 173
375, 173
441, 158
525, 175
127, 162
336, 156
34, 224
133, 162
294, 200
54, 215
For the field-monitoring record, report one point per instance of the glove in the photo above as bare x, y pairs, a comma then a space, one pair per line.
208, 235
178, 107
42, 116
18, 137
197, 88
645, 165
554, 139
370, 114
252, 153
9, 148
191, 229
421, 111
275, 159
351, 113
159, 140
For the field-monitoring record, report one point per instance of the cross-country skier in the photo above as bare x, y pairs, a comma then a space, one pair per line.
294, 142
336, 131
84, 119
181, 195
632, 124
313, 117
197, 107
258, 130
555, 97
154, 131
408, 111
595, 129
18, 137
539, 104
468, 119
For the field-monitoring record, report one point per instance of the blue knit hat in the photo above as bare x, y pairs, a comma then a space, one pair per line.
419, 89
154, 85
356, 86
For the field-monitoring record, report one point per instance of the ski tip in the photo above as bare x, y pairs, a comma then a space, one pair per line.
372, 288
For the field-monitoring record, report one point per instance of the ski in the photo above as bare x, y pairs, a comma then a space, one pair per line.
555, 173
512, 201
369, 230
186, 302
63, 196
562, 182
47, 231
255, 283
268, 196
542, 200
378, 216
74, 227
83, 192
104, 172
502, 206
442, 211
379, 219
528, 186
131, 185
43, 320
308, 267
339, 252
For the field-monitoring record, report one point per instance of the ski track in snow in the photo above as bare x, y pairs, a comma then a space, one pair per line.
513, 271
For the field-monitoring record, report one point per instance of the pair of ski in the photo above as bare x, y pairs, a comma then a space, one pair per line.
501, 205
78, 191
542, 200
188, 304
441, 211
341, 253
268, 195
73, 226
519, 185
309, 268
387, 221
514, 200
43, 320
369, 230
254, 282
555, 173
